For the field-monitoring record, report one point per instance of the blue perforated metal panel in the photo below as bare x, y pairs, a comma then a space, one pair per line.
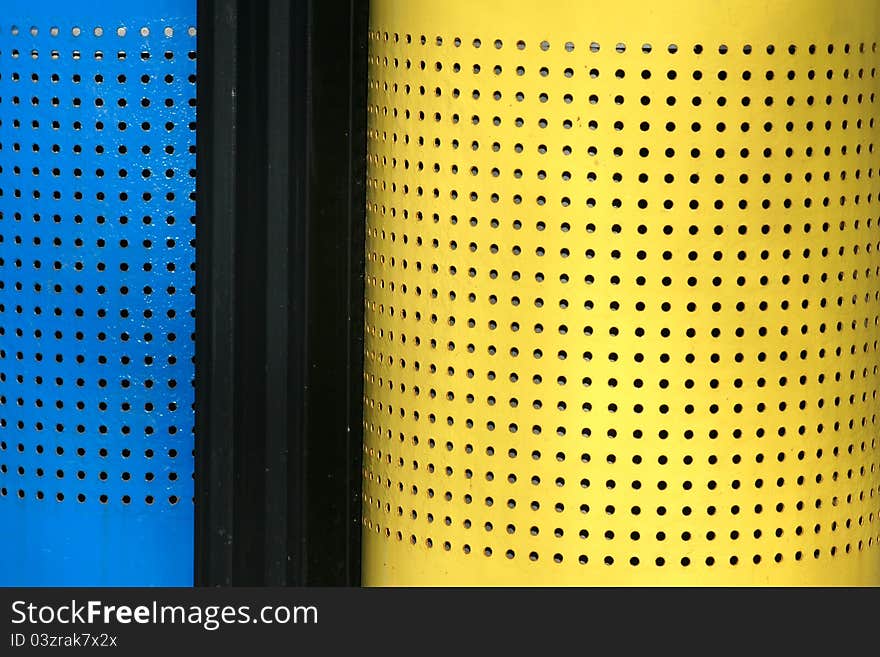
97, 228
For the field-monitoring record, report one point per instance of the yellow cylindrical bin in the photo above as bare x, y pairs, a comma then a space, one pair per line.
622, 293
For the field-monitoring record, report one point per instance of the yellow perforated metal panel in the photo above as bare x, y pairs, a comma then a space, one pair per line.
623, 293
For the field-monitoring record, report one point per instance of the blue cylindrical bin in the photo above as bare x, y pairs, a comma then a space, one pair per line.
97, 229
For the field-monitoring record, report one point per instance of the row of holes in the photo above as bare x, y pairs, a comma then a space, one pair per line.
100, 31
99, 78
81, 497
609, 560
687, 511
98, 55
102, 430
646, 48
593, 73
637, 484
99, 196
81, 475
98, 101
81, 452
611, 458
643, 203
660, 536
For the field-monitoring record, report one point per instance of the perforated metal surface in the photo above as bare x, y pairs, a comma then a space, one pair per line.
97, 175
622, 309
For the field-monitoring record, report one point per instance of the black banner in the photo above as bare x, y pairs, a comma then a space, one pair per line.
307, 621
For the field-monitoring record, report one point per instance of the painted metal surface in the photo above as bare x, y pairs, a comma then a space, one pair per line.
97, 228
622, 302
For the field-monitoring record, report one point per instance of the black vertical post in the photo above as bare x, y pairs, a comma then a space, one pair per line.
215, 290
281, 152
336, 158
